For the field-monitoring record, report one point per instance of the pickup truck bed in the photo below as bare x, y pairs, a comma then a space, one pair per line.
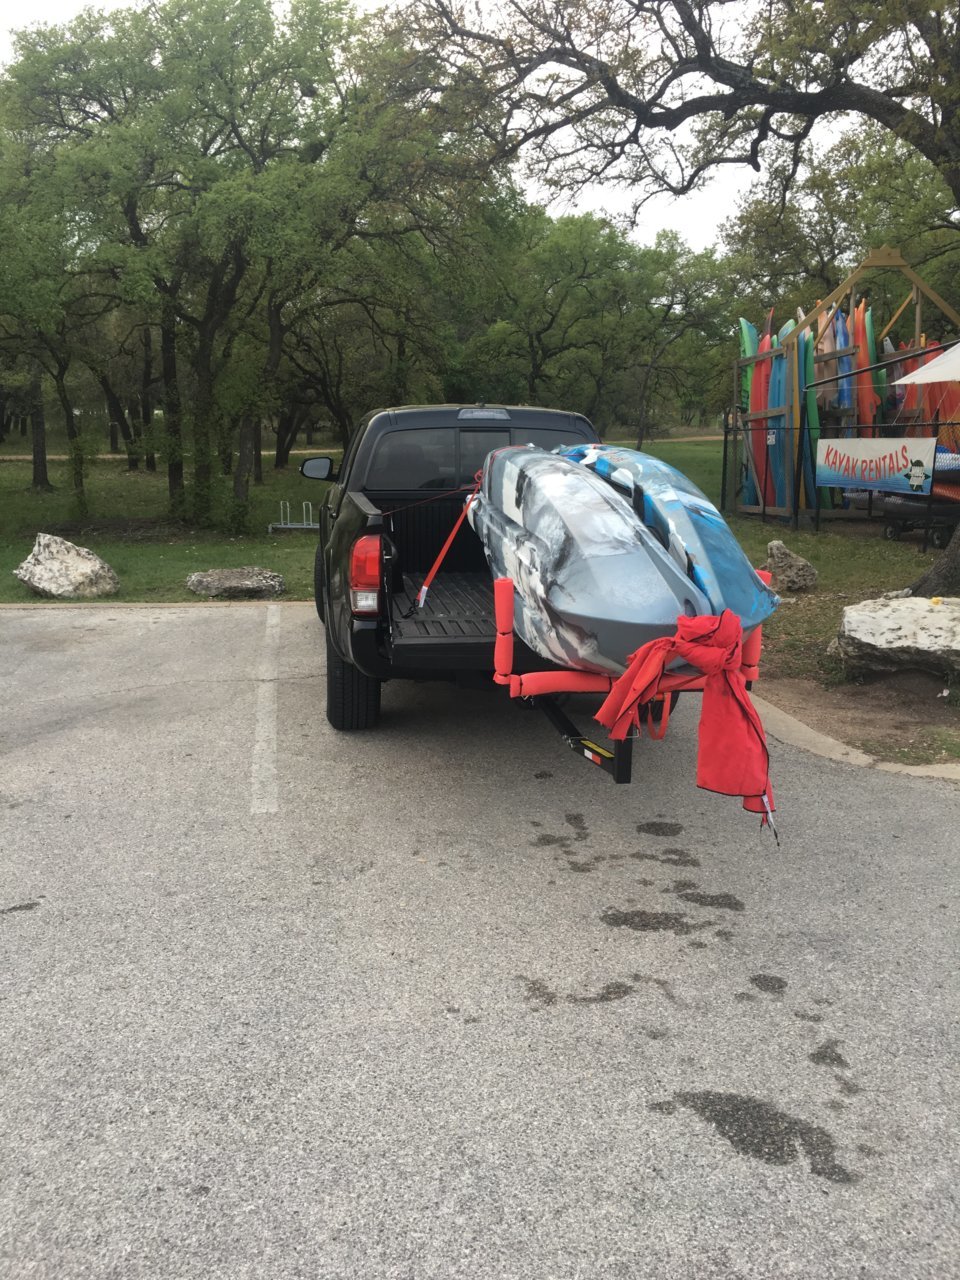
459, 607
455, 628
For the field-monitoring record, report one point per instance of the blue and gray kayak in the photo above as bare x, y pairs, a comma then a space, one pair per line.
606, 547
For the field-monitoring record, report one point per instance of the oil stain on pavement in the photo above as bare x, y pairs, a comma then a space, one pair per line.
577, 821
828, 1055
668, 858
659, 828
770, 983
757, 1129
538, 994
720, 901
651, 921
609, 992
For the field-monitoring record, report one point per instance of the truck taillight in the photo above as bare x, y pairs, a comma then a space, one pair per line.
365, 575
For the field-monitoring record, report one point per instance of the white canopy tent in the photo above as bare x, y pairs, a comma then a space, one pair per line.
945, 368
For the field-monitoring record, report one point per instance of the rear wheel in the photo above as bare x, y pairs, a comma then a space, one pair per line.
353, 699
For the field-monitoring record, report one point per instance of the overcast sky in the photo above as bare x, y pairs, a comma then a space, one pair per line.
695, 218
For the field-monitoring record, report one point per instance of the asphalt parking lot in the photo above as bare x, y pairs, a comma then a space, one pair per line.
441, 1000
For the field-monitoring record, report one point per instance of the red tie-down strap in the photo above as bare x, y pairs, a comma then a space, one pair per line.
422, 593
732, 756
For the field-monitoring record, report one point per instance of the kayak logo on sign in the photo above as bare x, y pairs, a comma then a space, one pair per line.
916, 475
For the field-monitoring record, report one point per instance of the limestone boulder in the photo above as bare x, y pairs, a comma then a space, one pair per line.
63, 571
248, 583
790, 571
906, 633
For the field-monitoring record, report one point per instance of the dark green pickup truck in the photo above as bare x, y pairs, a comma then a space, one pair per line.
403, 482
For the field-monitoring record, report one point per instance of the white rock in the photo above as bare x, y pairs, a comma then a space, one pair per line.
248, 583
60, 569
910, 633
790, 571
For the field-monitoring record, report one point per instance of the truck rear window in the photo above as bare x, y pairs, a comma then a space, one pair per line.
474, 447
441, 458
546, 437
425, 458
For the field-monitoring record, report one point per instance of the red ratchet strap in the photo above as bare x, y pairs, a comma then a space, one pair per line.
658, 729
422, 594
434, 497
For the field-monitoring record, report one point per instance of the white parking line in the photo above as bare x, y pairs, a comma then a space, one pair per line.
263, 767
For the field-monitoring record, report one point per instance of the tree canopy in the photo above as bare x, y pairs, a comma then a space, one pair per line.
655, 93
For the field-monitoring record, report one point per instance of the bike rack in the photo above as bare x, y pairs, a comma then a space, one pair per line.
286, 523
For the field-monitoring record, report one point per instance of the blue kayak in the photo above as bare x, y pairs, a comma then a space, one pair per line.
606, 548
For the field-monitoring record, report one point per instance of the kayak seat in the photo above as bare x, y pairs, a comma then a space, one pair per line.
639, 502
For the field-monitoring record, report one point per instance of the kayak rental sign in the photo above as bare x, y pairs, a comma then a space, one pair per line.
897, 465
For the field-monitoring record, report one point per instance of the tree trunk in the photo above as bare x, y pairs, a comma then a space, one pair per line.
228, 429
146, 397
643, 424
75, 446
136, 425
202, 438
38, 432
258, 451
344, 425
400, 375
532, 383
118, 422
172, 413
288, 424
943, 576
240, 514
23, 425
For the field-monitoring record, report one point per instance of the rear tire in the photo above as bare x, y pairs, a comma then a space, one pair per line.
353, 699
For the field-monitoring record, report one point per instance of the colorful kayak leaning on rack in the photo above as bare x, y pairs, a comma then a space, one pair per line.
748, 348
757, 427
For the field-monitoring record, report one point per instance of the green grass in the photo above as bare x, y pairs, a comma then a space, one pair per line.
700, 460
931, 745
127, 526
